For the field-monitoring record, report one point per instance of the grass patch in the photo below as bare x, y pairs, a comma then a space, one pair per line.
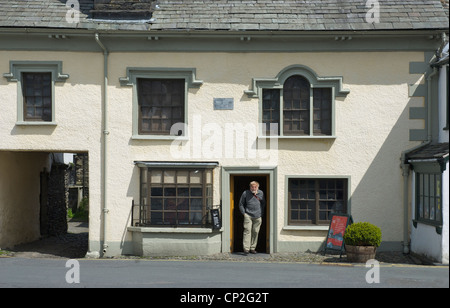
81, 214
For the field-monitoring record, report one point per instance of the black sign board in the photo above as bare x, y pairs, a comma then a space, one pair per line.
336, 231
216, 221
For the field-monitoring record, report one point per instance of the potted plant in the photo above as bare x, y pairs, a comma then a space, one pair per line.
361, 241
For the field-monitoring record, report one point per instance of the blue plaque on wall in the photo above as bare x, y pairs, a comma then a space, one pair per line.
223, 104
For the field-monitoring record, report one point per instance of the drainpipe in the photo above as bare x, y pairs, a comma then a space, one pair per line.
405, 173
406, 167
435, 71
105, 142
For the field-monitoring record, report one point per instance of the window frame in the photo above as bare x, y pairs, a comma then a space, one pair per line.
311, 134
316, 81
293, 110
26, 97
288, 225
161, 132
145, 197
447, 105
266, 128
130, 80
17, 68
420, 217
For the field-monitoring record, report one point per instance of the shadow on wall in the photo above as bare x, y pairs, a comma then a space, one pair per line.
20, 196
378, 138
378, 196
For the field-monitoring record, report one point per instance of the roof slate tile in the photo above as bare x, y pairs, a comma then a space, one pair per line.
238, 15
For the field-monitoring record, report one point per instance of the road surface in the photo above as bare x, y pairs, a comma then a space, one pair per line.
92, 273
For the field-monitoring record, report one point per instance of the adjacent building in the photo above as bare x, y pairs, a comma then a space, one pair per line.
430, 177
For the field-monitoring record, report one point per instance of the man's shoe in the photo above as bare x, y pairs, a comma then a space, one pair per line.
253, 251
245, 252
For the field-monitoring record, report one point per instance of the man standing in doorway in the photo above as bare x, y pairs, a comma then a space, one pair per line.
252, 206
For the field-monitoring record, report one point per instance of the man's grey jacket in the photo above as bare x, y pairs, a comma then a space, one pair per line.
251, 204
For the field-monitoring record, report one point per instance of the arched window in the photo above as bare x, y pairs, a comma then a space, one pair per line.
296, 106
298, 103
305, 109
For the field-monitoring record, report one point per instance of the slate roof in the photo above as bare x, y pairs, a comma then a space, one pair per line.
237, 15
446, 5
431, 151
298, 15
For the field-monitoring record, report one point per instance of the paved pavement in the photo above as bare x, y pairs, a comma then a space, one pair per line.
74, 245
92, 273
44, 264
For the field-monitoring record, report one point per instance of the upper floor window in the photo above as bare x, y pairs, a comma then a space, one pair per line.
304, 110
35, 90
161, 104
37, 96
160, 98
296, 106
299, 102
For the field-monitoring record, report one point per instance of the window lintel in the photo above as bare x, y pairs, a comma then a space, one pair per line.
175, 164
17, 67
302, 70
189, 74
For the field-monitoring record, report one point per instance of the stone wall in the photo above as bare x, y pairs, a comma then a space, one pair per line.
81, 162
57, 200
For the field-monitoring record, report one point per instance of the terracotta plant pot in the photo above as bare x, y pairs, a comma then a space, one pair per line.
360, 254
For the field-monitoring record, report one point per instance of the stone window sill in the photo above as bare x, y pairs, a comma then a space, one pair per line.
159, 137
308, 228
170, 230
35, 123
297, 137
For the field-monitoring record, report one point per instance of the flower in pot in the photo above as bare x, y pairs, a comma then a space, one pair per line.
361, 241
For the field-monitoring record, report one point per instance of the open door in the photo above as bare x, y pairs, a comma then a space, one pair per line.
238, 184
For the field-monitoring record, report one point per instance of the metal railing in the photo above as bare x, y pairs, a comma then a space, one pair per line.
141, 217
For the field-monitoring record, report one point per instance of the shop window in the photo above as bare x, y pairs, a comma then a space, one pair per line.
312, 201
176, 197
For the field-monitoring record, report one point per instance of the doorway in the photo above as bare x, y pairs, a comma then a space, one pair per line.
238, 184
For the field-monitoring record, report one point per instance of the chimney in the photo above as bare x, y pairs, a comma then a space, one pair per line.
125, 10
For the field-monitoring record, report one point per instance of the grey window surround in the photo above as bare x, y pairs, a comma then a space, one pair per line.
17, 68
133, 73
335, 83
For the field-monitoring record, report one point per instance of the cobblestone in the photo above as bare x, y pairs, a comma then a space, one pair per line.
300, 257
73, 244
